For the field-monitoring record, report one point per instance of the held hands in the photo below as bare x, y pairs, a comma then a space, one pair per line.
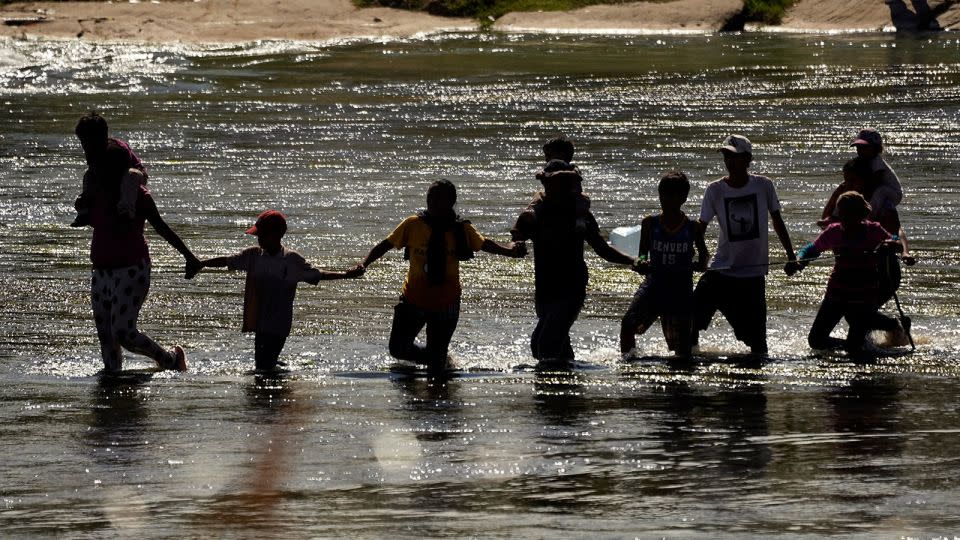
641, 266
518, 250
792, 267
192, 267
355, 272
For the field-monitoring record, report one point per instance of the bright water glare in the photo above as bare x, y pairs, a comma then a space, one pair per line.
344, 139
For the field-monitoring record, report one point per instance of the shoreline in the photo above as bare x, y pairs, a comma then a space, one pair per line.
244, 21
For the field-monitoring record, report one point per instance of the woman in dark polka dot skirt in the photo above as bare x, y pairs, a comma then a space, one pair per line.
121, 267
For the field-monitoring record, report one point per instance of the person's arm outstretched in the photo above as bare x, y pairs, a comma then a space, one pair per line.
703, 255
606, 251
165, 232
641, 264
316, 276
517, 250
378, 251
198, 265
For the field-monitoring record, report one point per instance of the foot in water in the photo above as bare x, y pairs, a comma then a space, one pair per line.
900, 336
179, 361
554, 364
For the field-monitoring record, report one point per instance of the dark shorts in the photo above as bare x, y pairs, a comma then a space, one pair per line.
675, 317
409, 320
741, 300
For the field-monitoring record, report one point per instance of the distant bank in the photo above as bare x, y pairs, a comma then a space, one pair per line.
224, 21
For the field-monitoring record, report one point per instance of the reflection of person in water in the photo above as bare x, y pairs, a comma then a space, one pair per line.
861, 410
739, 413
257, 492
118, 421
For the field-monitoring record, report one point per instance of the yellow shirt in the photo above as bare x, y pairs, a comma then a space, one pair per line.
414, 233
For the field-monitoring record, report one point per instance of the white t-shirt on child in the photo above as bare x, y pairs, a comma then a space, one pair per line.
742, 247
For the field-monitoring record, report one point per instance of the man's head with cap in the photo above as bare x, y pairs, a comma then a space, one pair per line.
269, 223
738, 144
737, 154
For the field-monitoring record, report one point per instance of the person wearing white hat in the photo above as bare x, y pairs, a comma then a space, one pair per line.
735, 283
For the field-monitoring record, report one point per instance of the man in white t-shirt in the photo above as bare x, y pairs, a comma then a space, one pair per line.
735, 284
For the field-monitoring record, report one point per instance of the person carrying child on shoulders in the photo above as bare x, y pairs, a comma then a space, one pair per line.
559, 224
94, 137
735, 284
120, 255
273, 272
667, 243
853, 291
558, 154
435, 240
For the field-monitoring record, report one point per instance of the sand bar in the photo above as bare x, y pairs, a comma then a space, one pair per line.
228, 21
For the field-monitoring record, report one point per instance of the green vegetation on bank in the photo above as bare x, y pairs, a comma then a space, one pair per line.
767, 11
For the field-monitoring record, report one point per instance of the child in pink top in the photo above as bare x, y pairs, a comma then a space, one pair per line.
853, 291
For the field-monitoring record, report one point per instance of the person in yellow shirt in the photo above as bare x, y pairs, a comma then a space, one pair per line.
435, 241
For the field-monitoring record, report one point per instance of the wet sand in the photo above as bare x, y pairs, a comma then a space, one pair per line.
226, 21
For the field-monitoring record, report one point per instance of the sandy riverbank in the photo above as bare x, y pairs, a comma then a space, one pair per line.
220, 21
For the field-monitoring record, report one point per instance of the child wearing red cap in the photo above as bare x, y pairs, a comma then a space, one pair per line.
273, 272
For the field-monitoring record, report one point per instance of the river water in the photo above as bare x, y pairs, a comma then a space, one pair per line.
344, 138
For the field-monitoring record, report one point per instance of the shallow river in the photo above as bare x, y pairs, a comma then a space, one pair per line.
344, 138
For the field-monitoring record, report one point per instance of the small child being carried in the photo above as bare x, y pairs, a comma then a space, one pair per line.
667, 243
94, 137
273, 272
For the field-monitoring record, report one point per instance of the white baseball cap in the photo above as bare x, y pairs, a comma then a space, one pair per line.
738, 144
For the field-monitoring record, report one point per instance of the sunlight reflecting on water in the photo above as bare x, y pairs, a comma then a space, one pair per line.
345, 139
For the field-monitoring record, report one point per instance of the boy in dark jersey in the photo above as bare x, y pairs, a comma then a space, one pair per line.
667, 242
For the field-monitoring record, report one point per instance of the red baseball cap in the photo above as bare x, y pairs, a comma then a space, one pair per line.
270, 221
